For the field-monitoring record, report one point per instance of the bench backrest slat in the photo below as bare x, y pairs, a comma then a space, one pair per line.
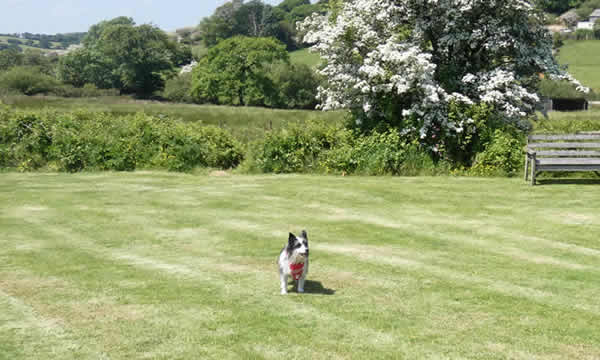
564, 145
568, 153
565, 137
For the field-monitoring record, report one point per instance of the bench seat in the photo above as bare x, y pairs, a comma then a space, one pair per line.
568, 152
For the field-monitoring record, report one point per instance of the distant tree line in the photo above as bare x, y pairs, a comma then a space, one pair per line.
583, 8
245, 59
44, 41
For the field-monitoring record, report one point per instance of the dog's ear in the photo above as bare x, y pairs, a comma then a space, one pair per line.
304, 235
291, 240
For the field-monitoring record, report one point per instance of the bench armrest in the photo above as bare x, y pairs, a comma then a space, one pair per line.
530, 153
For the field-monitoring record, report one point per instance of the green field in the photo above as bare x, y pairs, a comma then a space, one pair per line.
245, 123
169, 266
304, 56
583, 60
4, 40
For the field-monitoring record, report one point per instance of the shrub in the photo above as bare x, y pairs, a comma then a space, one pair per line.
375, 154
297, 148
84, 140
584, 34
177, 89
28, 80
88, 90
502, 156
325, 148
24, 140
296, 86
559, 89
183, 146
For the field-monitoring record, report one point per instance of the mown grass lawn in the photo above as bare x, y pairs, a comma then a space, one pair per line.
170, 266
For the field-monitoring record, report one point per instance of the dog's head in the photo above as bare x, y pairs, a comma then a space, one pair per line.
298, 245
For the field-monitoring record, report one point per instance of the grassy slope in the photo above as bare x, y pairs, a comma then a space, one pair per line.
583, 60
157, 265
3, 39
304, 56
246, 123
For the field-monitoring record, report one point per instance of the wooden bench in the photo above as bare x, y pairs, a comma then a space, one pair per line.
569, 152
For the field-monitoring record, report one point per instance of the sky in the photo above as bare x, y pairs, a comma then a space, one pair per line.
62, 16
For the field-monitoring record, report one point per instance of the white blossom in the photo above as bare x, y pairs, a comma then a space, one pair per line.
382, 49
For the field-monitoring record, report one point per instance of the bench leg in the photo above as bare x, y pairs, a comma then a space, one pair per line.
533, 172
526, 167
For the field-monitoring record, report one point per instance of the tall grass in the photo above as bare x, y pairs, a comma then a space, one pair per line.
559, 122
245, 123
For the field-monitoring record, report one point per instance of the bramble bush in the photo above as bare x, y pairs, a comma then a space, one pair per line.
83, 140
330, 148
296, 148
503, 155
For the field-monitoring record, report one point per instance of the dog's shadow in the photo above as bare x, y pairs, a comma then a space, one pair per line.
316, 287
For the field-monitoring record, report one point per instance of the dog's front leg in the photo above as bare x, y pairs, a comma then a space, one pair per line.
301, 284
284, 280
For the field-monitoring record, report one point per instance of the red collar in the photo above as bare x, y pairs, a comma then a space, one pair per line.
296, 270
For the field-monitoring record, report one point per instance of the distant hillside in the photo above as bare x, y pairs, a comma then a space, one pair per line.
40, 41
583, 60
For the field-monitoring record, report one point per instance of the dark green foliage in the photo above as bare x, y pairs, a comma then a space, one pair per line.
28, 80
559, 89
585, 7
326, 148
558, 6
140, 55
10, 58
85, 66
584, 34
257, 19
503, 155
31, 57
184, 146
177, 89
375, 154
233, 72
99, 141
96, 30
44, 40
118, 54
297, 148
296, 86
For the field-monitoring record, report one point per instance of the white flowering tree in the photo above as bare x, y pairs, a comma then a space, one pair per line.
437, 69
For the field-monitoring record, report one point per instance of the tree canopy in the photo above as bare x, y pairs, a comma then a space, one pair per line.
428, 66
257, 19
119, 54
233, 71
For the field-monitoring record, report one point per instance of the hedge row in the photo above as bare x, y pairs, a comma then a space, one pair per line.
323, 148
98, 141
83, 140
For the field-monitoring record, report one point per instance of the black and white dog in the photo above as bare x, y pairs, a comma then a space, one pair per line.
293, 261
